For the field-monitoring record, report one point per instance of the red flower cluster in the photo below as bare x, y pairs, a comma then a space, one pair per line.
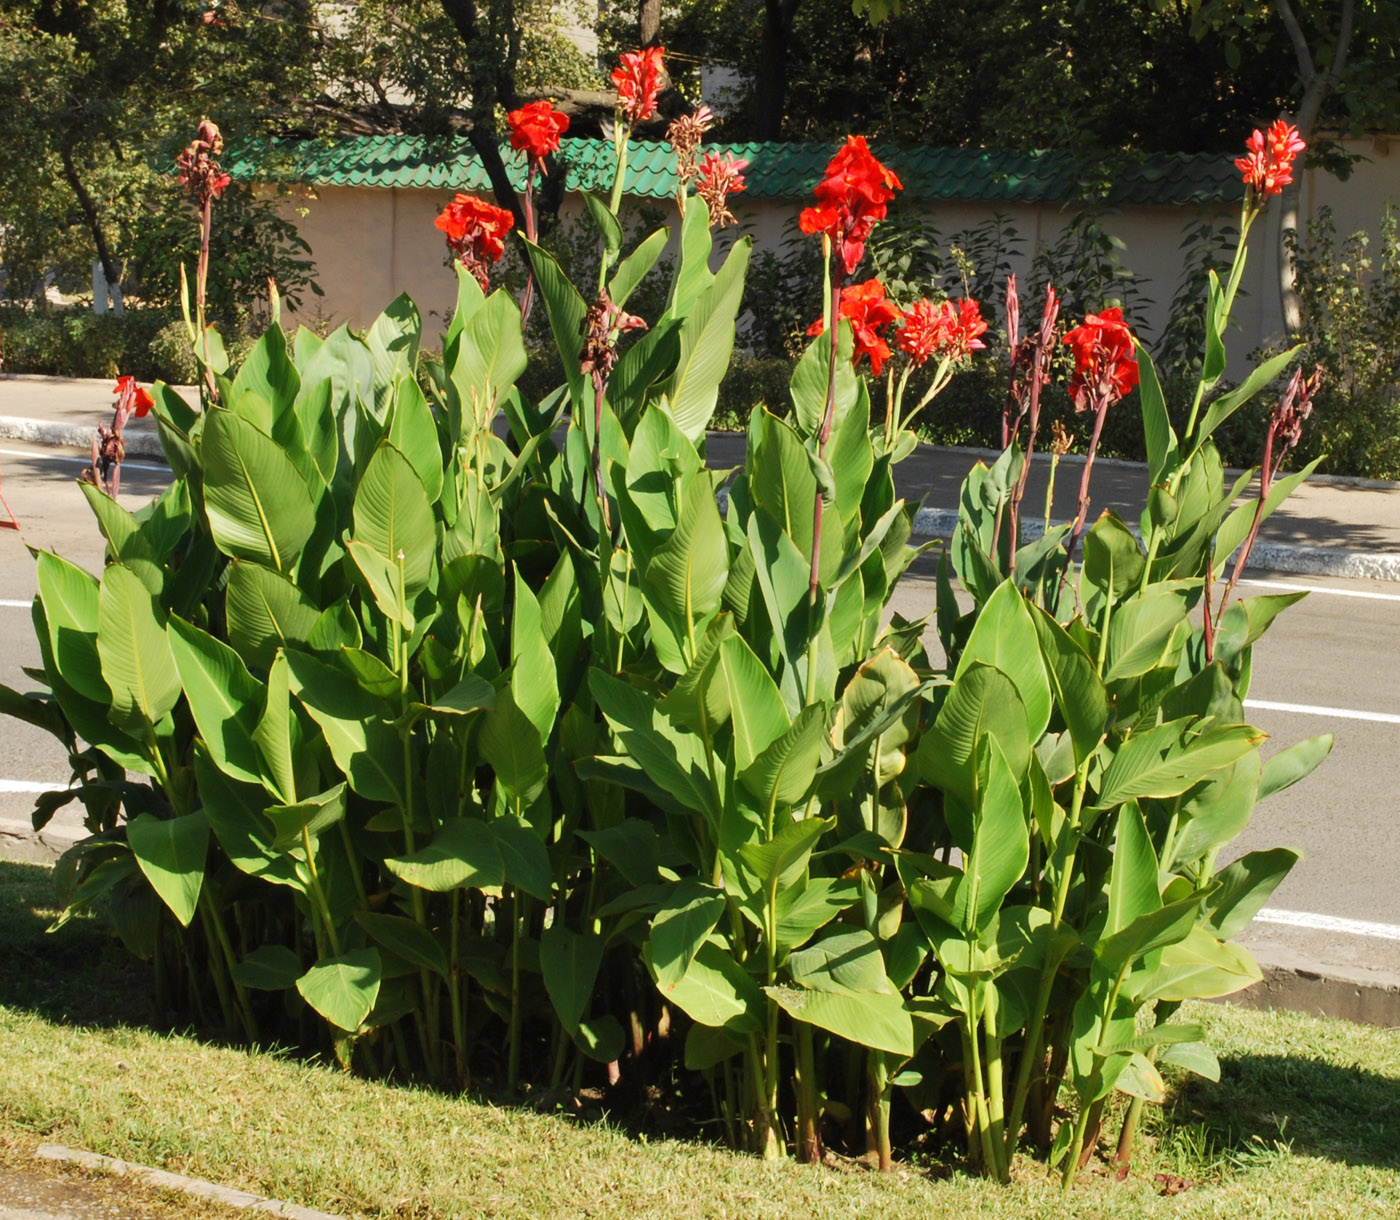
1268, 168
854, 195
198, 164
131, 398
535, 130
869, 311
718, 178
638, 80
1105, 360
950, 328
476, 232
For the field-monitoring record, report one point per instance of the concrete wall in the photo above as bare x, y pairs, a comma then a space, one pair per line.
370, 244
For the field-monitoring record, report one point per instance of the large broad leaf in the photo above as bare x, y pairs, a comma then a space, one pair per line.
1000, 840
524, 856
259, 506
633, 269
681, 927
393, 347
1113, 559
343, 989
394, 516
1079, 693
782, 860
413, 431
171, 853
1165, 760
752, 702
268, 373
69, 595
1156, 420
1196, 967
237, 816
685, 578
510, 743
879, 1022
409, 940
266, 611
533, 682
1132, 883
569, 962
810, 379
268, 968
693, 276
136, 660
1227, 404
463, 852
1245, 886
225, 700
842, 962
364, 745
984, 702
566, 309
783, 774
1005, 638
715, 990
1287, 767
1140, 631
707, 342
277, 735
491, 355
306, 820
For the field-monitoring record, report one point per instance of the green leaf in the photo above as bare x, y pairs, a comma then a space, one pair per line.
409, 940
1132, 883
1156, 421
463, 852
266, 611
810, 378
1005, 638
414, 432
1113, 560
510, 743
569, 962
1140, 631
268, 968
608, 226
306, 819
842, 962
782, 860
1079, 693
693, 275
136, 660
393, 347
1164, 761
566, 309
984, 702
268, 373
524, 857
1000, 840
879, 1022
70, 598
1197, 967
225, 700
633, 269
707, 343
491, 355
715, 990
685, 578
681, 927
1244, 887
533, 682
277, 735
1226, 405
258, 505
343, 989
1287, 767
393, 515
171, 853
783, 774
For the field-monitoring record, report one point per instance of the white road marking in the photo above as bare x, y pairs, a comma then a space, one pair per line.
14, 605
29, 785
82, 461
1329, 923
1308, 709
1291, 587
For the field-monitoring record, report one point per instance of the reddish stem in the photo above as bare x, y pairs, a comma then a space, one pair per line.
531, 231
825, 434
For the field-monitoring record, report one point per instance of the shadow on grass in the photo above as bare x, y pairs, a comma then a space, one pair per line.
1268, 1105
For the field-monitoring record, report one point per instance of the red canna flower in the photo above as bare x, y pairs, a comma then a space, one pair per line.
950, 328
131, 396
199, 165
1105, 360
718, 178
1268, 167
535, 130
854, 195
869, 311
475, 232
638, 79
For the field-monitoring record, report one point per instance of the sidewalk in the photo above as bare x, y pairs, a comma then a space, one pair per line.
1328, 527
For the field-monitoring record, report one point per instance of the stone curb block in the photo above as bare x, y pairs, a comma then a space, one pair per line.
140, 444
1266, 556
173, 1181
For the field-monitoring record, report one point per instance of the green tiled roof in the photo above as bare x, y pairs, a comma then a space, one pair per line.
776, 170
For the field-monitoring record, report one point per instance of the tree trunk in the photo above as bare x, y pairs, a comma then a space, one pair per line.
1316, 86
649, 23
770, 89
111, 270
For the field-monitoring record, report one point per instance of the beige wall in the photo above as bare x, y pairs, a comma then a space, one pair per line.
370, 244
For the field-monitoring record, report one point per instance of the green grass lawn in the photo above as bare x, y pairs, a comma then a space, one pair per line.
1305, 1121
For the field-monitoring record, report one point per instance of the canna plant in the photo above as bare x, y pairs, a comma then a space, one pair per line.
474, 736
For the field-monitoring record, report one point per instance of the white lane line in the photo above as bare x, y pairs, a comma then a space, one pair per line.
1308, 709
82, 461
1329, 923
14, 605
1291, 587
29, 785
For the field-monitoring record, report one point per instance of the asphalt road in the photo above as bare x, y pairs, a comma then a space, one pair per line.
1329, 664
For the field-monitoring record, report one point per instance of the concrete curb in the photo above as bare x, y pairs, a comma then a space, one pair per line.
20, 841
162, 1180
140, 444
1266, 556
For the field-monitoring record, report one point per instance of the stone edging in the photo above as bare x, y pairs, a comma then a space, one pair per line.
163, 1180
